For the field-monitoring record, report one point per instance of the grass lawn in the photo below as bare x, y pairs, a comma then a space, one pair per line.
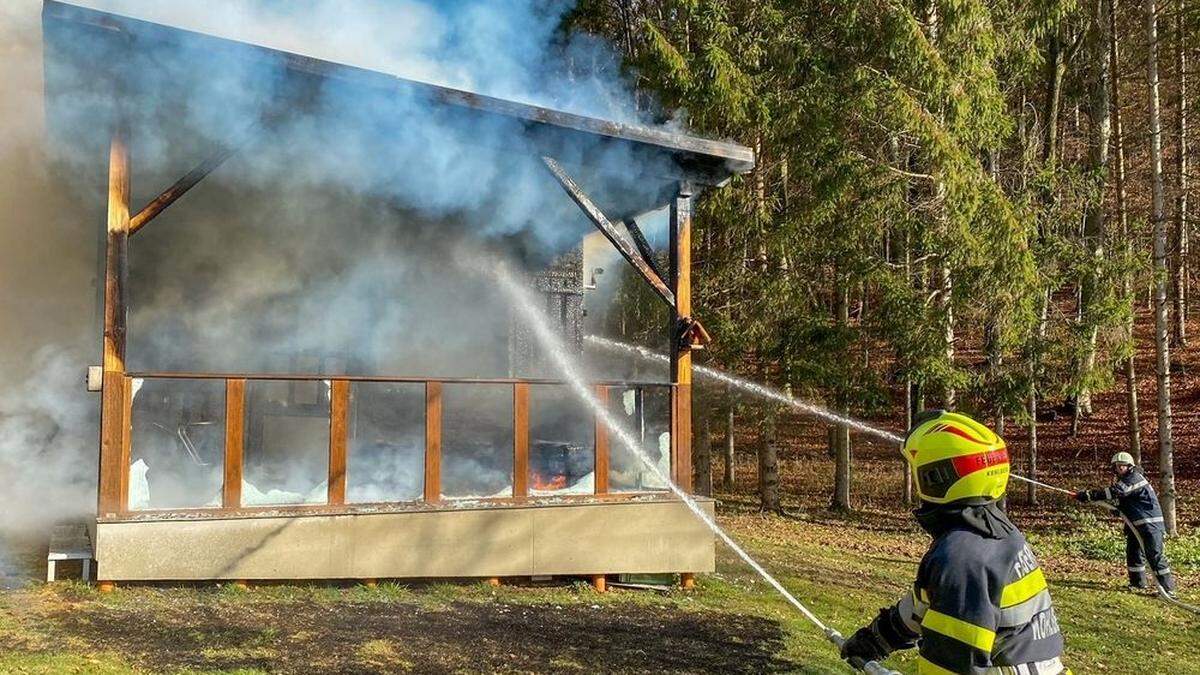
843, 570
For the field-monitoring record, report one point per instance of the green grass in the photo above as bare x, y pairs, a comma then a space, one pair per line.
843, 572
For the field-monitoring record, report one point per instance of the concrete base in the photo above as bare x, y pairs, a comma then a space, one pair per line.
652, 536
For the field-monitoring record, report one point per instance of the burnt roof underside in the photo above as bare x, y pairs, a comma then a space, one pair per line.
91, 55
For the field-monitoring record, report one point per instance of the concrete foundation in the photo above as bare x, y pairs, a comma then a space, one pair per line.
590, 538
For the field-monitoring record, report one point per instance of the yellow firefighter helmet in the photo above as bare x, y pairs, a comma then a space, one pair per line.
953, 457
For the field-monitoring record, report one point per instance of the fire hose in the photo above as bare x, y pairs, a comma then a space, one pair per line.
1162, 592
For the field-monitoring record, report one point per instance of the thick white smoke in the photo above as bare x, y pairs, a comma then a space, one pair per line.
331, 232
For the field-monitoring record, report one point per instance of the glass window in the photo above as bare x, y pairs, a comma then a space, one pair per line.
177, 447
562, 442
477, 440
386, 458
286, 453
645, 413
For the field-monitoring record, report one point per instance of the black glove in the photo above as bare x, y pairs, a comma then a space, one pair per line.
1082, 496
866, 644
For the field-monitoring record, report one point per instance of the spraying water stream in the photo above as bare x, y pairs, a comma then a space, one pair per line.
753, 388
556, 349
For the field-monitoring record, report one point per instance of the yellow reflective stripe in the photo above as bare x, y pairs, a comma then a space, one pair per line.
924, 596
927, 667
1023, 589
963, 631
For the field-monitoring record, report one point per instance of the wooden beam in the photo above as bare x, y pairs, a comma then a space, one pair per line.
433, 442
112, 403
625, 247
126, 439
521, 439
643, 246
188, 181
681, 355
339, 406
235, 438
600, 478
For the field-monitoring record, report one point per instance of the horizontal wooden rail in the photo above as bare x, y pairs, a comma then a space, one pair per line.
287, 377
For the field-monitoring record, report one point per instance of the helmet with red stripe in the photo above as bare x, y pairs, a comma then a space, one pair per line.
953, 457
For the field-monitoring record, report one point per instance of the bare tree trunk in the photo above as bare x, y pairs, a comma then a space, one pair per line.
1034, 374
1180, 286
729, 458
841, 446
1094, 232
1132, 422
1161, 319
702, 471
768, 470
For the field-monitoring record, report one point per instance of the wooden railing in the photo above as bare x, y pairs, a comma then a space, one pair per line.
339, 428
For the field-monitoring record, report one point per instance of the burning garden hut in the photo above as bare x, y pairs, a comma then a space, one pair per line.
307, 369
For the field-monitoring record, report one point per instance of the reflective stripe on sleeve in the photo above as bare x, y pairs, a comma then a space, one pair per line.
1108, 493
1023, 589
1163, 572
1143, 521
927, 667
963, 631
1136, 568
1019, 615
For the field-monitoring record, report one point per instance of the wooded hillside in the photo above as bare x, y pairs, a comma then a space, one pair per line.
957, 204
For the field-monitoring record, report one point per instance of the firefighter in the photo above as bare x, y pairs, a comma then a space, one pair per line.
980, 604
1134, 497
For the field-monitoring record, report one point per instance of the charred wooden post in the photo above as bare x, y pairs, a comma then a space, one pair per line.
235, 420
433, 442
187, 182
520, 440
624, 246
339, 405
600, 478
113, 420
681, 355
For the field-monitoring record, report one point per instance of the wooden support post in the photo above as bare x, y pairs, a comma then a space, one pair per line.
687, 581
599, 583
494, 582
113, 475
521, 439
235, 420
433, 442
681, 355
600, 479
624, 245
106, 586
370, 583
339, 406
126, 438
241, 584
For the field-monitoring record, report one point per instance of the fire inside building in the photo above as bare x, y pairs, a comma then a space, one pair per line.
308, 371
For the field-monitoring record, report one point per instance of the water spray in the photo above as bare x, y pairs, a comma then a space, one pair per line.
565, 363
816, 411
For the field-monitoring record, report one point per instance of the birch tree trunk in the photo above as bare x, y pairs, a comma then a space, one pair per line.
727, 479
1094, 225
841, 436
1180, 285
1162, 351
768, 470
1133, 423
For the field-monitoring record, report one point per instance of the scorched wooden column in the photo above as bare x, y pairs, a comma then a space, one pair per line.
681, 355
114, 461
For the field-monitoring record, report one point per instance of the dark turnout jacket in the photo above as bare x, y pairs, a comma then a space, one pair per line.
1135, 499
980, 602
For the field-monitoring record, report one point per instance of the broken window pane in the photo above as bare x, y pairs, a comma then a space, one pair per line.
286, 454
386, 459
477, 440
562, 442
645, 412
177, 446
